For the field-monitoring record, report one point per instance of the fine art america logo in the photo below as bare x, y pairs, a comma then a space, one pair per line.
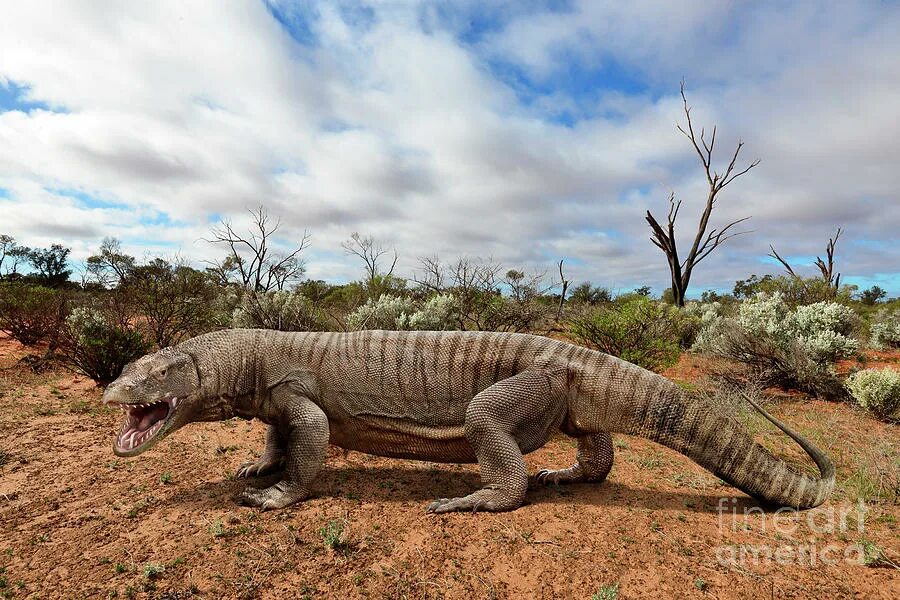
780, 528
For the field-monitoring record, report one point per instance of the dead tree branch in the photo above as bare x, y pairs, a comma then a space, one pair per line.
705, 240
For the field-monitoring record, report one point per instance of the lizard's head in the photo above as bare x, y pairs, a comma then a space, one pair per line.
155, 394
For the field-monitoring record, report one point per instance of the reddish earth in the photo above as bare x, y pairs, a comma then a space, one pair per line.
77, 522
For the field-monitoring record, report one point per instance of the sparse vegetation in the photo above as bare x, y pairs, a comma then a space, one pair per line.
607, 592
31, 313
334, 536
153, 570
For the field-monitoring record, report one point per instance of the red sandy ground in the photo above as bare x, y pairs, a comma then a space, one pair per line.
77, 522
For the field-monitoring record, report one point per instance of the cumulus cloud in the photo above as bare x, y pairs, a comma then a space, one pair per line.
513, 130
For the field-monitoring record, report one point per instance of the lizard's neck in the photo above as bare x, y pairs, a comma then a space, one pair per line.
228, 367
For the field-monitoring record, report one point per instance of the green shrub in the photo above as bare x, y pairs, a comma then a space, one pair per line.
636, 329
281, 310
174, 300
98, 349
31, 313
877, 391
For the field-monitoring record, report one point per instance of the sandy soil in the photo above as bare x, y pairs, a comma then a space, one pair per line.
77, 522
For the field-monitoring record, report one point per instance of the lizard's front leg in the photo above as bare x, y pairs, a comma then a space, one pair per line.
271, 460
307, 439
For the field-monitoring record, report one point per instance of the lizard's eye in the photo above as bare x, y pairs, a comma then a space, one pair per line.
161, 373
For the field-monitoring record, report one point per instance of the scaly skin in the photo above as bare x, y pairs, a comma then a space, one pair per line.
440, 396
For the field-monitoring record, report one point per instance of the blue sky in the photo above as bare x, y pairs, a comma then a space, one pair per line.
522, 131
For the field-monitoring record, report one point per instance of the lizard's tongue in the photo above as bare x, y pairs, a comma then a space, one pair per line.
154, 414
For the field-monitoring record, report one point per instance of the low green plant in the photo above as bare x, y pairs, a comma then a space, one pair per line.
153, 570
884, 332
437, 313
333, 536
217, 529
877, 391
636, 329
607, 592
281, 310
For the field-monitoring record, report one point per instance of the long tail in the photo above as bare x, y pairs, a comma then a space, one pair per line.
645, 404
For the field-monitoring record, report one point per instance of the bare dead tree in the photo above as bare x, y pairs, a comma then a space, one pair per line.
433, 277
371, 252
826, 267
704, 241
787, 267
251, 262
562, 294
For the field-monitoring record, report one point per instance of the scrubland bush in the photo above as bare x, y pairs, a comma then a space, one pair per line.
795, 291
98, 348
281, 310
877, 391
31, 313
391, 312
636, 329
884, 333
792, 348
175, 301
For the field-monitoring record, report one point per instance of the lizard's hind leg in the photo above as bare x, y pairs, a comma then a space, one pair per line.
592, 463
512, 416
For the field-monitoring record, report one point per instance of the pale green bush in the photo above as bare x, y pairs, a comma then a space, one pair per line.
823, 331
281, 310
885, 330
385, 312
793, 348
877, 391
437, 314
399, 313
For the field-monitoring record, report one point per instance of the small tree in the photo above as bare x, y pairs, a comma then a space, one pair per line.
586, 293
251, 262
11, 256
704, 242
51, 265
176, 300
110, 267
871, 296
374, 257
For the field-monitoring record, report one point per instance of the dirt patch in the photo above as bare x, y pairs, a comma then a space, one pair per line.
77, 522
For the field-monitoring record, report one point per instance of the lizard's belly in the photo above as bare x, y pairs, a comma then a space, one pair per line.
402, 438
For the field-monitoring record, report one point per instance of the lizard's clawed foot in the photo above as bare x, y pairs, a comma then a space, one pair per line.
276, 496
263, 466
487, 499
558, 476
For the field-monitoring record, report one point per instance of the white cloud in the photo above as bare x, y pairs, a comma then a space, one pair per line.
200, 109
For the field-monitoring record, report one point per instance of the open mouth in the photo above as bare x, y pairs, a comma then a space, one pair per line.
142, 422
